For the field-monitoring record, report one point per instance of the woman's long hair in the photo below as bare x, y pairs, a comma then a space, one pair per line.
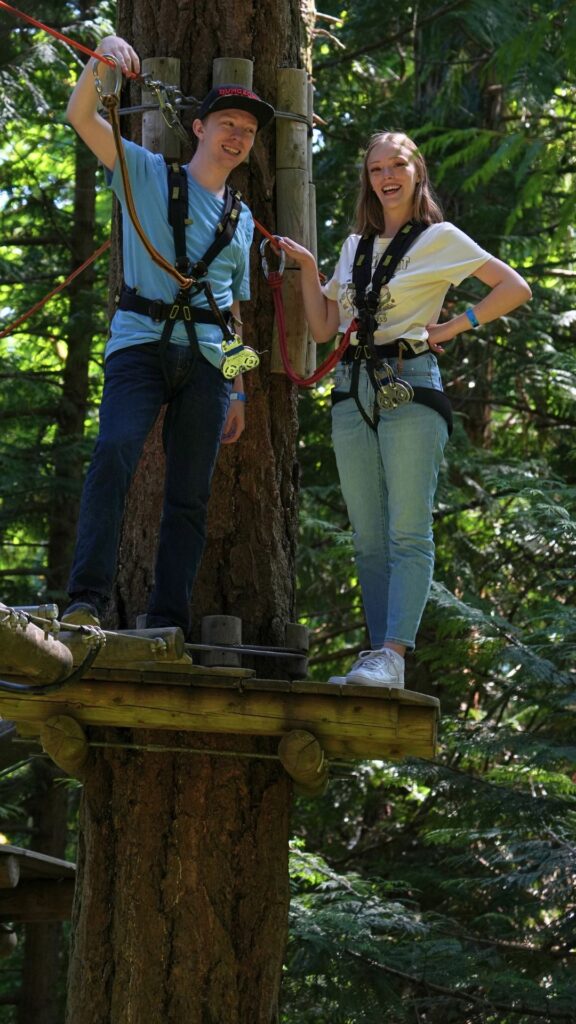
369, 215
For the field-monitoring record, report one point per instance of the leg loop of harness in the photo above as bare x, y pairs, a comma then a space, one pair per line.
390, 392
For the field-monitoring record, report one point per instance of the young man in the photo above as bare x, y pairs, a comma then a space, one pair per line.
144, 370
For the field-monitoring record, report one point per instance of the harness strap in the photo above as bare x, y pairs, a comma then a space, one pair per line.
158, 310
181, 308
178, 218
178, 212
404, 348
430, 397
367, 285
362, 270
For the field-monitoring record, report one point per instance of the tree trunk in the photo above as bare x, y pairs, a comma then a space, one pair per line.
182, 916
182, 896
41, 995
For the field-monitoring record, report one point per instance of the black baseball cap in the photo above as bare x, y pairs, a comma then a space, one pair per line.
236, 97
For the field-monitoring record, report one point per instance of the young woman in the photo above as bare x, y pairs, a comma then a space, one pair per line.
390, 419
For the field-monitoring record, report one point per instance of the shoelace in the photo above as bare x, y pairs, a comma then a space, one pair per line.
372, 659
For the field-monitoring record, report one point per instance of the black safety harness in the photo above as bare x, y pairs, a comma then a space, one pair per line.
390, 391
237, 357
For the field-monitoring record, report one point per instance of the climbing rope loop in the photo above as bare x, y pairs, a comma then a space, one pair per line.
275, 279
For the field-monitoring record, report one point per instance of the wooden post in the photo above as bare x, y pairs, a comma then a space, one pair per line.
312, 229
9, 872
221, 629
232, 70
297, 637
292, 176
156, 135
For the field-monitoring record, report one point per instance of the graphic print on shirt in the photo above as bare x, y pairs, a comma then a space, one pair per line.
347, 292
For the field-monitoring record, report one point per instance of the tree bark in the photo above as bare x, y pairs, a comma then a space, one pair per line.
182, 895
182, 917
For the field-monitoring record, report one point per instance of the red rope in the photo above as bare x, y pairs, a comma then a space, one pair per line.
275, 282
59, 35
59, 288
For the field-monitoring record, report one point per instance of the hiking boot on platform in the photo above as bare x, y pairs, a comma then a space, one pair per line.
86, 609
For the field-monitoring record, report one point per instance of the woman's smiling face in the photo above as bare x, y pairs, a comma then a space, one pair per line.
393, 176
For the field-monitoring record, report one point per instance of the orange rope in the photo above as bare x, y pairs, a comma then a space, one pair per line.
111, 104
34, 309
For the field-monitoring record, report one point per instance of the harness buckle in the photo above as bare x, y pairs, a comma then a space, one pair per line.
187, 312
174, 311
157, 310
198, 270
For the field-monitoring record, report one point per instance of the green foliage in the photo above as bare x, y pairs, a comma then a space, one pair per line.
37, 201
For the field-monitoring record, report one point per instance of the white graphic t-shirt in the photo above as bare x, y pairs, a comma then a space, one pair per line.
441, 256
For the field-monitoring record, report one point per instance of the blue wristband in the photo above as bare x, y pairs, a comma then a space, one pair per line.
237, 396
472, 317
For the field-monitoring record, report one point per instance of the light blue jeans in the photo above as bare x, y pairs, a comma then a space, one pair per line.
388, 478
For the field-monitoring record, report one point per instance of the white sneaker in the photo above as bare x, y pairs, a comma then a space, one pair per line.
375, 668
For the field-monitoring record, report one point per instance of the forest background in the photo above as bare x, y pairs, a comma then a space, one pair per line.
424, 891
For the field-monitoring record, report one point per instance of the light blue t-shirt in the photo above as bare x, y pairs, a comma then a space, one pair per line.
228, 273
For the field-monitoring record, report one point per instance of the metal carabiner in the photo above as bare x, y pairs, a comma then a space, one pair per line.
281, 259
97, 81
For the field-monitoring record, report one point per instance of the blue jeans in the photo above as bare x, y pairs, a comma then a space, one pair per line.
135, 389
388, 478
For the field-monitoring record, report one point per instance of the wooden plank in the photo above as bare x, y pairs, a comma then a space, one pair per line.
173, 674
354, 723
38, 865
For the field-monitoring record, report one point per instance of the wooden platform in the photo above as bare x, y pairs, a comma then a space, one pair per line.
78, 677
33, 886
349, 721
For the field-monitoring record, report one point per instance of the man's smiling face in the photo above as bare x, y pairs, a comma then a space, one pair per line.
227, 135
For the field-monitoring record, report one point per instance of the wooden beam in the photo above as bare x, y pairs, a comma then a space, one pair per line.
64, 740
26, 650
303, 759
38, 900
128, 646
